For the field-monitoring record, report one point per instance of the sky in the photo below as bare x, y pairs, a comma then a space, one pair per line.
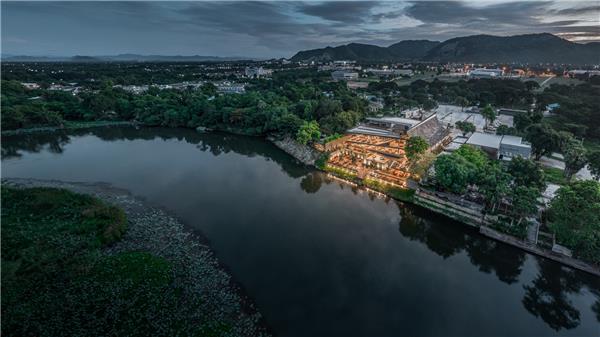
275, 28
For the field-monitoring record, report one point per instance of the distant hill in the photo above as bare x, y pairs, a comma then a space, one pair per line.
118, 58
530, 48
404, 50
412, 49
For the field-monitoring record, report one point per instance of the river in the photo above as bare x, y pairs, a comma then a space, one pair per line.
319, 257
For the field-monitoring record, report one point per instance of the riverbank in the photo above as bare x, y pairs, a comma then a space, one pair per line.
303, 153
470, 217
206, 293
452, 210
69, 126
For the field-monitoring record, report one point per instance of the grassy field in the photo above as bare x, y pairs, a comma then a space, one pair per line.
56, 281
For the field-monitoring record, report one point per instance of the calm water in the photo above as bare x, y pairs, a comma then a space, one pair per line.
318, 257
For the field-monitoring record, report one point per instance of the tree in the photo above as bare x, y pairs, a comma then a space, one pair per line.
415, 147
489, 114
288, 124
574, 216
531, 85
465, 127
526, 172
308, 132
493, 182
473, 155
463, 102
454, 172
575, 157
593, 158
544, 140
506, 130
429, 104
524, 202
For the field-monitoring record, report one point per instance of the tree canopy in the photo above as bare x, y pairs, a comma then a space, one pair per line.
574, 216
415, 146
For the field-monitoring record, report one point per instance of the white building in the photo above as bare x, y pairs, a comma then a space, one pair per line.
227, 88
486, 73
30, 85
257, 72
500, 147
343, 75
386, 72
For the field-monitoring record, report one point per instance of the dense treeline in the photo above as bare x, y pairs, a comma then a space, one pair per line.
278, 105
579, 110
511, 192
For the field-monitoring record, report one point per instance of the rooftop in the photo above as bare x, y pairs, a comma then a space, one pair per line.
361, 129
512, 140
397, 120
485, 139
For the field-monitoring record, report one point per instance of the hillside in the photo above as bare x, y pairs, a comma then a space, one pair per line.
401, 51
530, 48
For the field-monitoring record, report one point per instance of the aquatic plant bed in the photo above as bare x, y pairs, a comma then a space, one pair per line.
84, 259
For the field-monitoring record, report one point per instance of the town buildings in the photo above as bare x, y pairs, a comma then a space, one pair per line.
257, 72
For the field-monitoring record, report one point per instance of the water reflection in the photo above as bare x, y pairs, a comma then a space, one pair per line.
549, 293
546, 297
34, 143
311, 183
441, 237
215, 143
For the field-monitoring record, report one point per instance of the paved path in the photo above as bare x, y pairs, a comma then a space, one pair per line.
546, 81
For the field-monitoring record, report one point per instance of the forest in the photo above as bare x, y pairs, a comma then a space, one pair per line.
281, 104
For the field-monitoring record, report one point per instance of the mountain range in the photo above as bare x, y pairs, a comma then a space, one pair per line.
521, 49
119, 58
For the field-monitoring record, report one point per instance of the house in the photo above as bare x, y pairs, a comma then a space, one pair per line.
357, 85
512, 146
503, 147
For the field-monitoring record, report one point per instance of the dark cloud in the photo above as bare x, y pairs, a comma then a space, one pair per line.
452, 12
340, 11
580, 10
269, 29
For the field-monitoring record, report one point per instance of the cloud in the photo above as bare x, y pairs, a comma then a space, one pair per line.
595, 10
340, 11
272, 29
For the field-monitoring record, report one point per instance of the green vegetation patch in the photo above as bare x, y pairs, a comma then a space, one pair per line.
56, 281
321, 162
574, 216
555, 175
